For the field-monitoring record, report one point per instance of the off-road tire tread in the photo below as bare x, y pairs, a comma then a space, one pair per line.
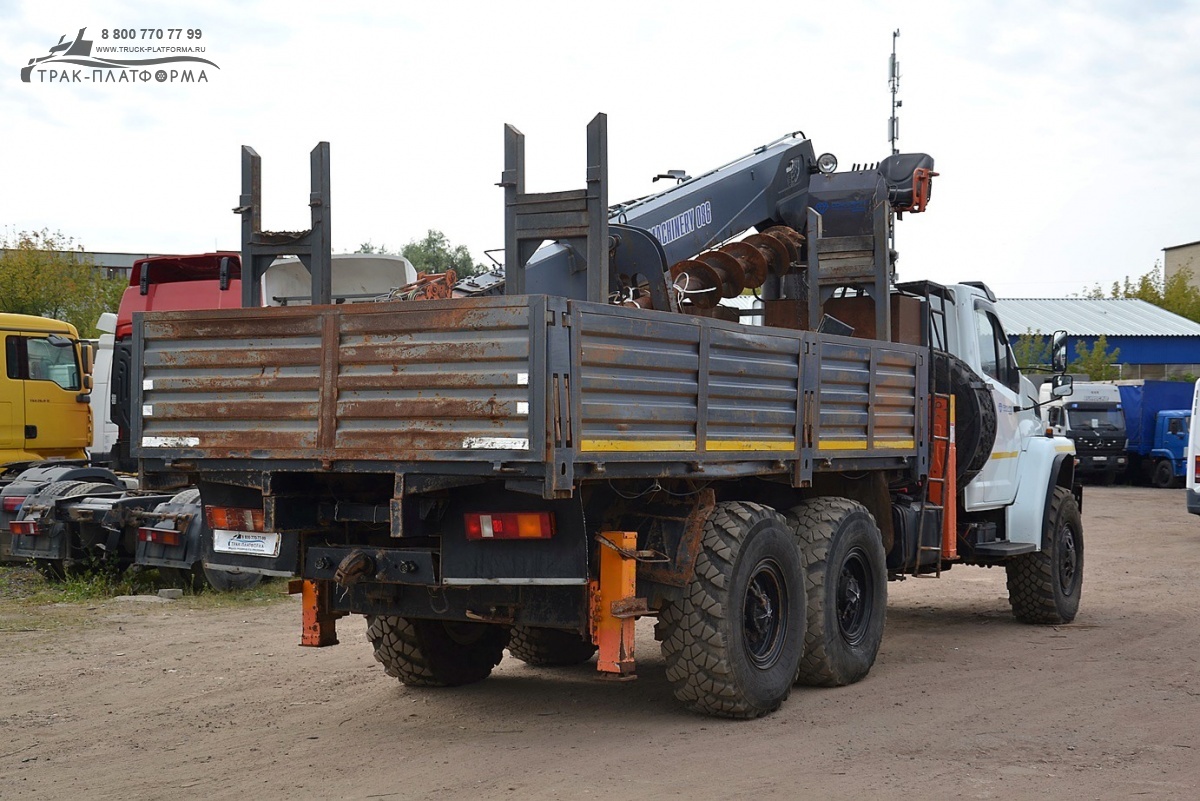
1031, 576
975, 413
542, 647
408, 651
815, 522
692, 640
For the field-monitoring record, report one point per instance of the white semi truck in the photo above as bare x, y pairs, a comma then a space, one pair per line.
1094, 419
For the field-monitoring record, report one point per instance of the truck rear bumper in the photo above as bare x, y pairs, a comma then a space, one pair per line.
41, 546
1193, 501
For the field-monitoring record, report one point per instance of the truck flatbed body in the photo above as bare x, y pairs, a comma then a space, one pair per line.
533, 389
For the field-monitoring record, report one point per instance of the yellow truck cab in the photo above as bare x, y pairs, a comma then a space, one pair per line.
44, 386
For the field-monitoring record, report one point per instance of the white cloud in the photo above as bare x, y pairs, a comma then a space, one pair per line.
1064, 134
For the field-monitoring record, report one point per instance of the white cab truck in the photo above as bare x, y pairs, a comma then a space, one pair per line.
534, 471
104, 430
1192, 465
1094, 419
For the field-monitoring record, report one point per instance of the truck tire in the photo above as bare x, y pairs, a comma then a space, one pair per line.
436, 653
733, 642
59, 569
187, 496
1164, 474
1044, 587
975, 413
230, 580
846, 578
191, 580
544, 647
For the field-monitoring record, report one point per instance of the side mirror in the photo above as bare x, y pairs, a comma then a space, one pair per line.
1052, 415
1061, 386
87, 358
1058, 352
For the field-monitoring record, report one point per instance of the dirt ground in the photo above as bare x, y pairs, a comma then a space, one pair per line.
125, 699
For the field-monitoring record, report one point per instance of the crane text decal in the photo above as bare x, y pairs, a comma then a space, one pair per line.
683, 224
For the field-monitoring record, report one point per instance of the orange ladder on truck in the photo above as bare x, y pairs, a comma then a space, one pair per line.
941, 487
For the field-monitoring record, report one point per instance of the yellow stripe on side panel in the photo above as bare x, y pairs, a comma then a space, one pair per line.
861, 445
1006, 455
683, 445
630, 445
750, 445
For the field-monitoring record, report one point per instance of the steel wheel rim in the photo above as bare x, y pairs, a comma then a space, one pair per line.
1068, 560
765, 614
854, 602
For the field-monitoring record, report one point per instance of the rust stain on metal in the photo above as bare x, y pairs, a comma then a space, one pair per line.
319, 627
727, 270
678, 572
327, 405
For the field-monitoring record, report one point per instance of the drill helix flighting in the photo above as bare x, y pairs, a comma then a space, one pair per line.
684, 249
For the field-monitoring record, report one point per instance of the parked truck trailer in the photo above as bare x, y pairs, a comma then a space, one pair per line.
66, 517
1158, 417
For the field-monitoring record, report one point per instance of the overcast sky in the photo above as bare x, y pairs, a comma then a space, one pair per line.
1066, 135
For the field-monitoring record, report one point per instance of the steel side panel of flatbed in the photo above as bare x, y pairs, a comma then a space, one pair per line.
528, 386
378, 382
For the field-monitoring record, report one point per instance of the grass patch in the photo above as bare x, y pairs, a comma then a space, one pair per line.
23, 585
268, 591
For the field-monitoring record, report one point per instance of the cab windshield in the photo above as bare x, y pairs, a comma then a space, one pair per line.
1105, 419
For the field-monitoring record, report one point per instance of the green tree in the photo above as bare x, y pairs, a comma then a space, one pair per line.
370, 247
1175, 294
435, 254
1032, 350
1096, 362
46, 274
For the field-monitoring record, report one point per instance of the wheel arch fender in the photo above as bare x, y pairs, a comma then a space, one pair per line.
1048, 467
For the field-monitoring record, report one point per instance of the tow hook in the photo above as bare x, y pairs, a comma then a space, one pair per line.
353, 568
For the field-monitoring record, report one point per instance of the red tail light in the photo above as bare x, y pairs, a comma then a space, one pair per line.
25, 528
233, 518
12, 503
1196, 471
160, 536
509, 525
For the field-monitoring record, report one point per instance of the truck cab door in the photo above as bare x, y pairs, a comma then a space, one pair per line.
56, 423
1173, 436
996, 484
12, 404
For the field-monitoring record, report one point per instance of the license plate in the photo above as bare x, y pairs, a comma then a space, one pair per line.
247, 543
1100, 458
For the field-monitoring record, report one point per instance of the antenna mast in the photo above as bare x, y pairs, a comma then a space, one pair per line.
894, 83
893, 135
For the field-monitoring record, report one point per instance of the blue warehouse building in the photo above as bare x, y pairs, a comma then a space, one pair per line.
1154, 343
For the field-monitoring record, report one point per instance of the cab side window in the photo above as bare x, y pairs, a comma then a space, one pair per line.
995, 355
35, 359
12, 359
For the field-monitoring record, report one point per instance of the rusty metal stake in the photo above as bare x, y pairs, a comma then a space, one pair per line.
612, 597
320, 622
